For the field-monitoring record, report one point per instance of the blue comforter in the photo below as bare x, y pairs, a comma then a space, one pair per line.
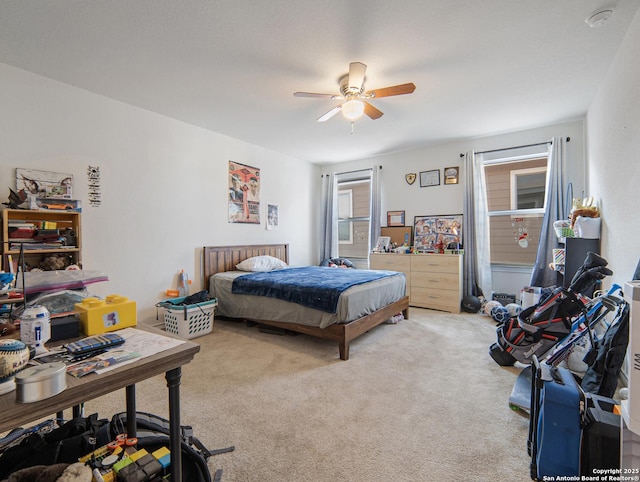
311, 286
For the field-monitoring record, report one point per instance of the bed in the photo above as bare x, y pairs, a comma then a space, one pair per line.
381, 300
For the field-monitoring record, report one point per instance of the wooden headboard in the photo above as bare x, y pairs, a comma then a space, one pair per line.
217, 259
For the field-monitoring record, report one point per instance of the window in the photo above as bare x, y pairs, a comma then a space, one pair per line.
345, 213
354, 214
528, 188
516, 191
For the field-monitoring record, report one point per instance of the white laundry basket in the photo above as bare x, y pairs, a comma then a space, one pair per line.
189, 321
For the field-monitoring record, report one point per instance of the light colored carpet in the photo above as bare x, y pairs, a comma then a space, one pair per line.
421, 400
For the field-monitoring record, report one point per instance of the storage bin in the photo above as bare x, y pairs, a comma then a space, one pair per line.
563, 229
111, 314
188, 321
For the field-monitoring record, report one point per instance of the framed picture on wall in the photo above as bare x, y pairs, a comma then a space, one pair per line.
429, 231
451, 175
395, 218
430, 178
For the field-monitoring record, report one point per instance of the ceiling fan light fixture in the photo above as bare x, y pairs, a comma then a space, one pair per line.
353, 109
598, 19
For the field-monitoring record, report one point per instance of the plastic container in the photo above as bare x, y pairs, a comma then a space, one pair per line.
188, 321
100, 316
563, 229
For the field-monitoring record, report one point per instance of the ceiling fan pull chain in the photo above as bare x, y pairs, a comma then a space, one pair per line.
352, 129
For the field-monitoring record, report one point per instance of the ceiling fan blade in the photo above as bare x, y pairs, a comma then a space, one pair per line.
356, 75
394, 90
371, 111
319, 96
329, 114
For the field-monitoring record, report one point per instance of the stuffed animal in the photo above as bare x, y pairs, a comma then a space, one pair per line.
54, 262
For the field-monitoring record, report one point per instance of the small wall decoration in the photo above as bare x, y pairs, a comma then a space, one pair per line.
430, 178
445, 231
395, 218
93, 181
410, 178
45, 184
272, 217
244, 193
520, 232
451, 175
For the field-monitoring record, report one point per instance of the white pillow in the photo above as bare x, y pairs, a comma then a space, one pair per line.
261, 263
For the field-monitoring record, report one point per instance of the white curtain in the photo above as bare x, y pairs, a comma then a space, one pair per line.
476, 260
374, 223
542, 275
329, 247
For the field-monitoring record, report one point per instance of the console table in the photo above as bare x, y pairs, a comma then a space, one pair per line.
169, 362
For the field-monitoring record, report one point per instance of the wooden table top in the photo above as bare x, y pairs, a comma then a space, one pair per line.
14, 414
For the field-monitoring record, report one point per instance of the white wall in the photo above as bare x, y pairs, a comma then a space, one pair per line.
397, 195
613, 140
164, 184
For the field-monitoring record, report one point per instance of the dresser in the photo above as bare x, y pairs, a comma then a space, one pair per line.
433, 280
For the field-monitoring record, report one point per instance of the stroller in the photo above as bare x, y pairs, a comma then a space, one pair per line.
557, 318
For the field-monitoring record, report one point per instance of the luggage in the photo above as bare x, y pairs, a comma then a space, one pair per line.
555, 423
601, 436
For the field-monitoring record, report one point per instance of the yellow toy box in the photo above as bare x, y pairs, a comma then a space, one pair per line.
100, 316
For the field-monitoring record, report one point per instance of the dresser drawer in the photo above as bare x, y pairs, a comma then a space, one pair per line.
440, 263
391, 262
437, 299
441, 281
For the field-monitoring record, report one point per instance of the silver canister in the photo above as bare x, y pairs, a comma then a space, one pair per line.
36, 383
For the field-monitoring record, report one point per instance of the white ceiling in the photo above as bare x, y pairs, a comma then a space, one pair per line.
231, 66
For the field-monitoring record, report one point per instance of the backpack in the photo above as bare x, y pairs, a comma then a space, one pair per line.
602, 375
65, 444
152, 433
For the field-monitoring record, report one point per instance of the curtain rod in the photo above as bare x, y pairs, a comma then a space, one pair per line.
351, 172
516, 147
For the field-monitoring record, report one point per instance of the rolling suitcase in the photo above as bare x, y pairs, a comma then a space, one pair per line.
555, 422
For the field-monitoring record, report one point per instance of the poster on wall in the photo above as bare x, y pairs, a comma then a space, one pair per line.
244, 193
45, 184
272, 217
431, 231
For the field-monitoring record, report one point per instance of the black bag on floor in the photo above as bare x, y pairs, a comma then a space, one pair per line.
602, 375
65, 444
152, 433
601, 436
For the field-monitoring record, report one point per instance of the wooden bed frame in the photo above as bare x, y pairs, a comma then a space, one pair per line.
218, 259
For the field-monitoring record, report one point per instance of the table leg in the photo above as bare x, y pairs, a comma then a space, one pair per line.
131, 411
175, 445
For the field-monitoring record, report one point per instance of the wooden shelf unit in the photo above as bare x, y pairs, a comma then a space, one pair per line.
63, 219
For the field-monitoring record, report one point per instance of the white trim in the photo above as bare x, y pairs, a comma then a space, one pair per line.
513, 175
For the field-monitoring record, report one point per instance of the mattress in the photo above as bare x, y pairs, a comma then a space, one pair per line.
354, 303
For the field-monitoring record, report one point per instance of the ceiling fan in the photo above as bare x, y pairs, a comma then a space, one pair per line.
355, 97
